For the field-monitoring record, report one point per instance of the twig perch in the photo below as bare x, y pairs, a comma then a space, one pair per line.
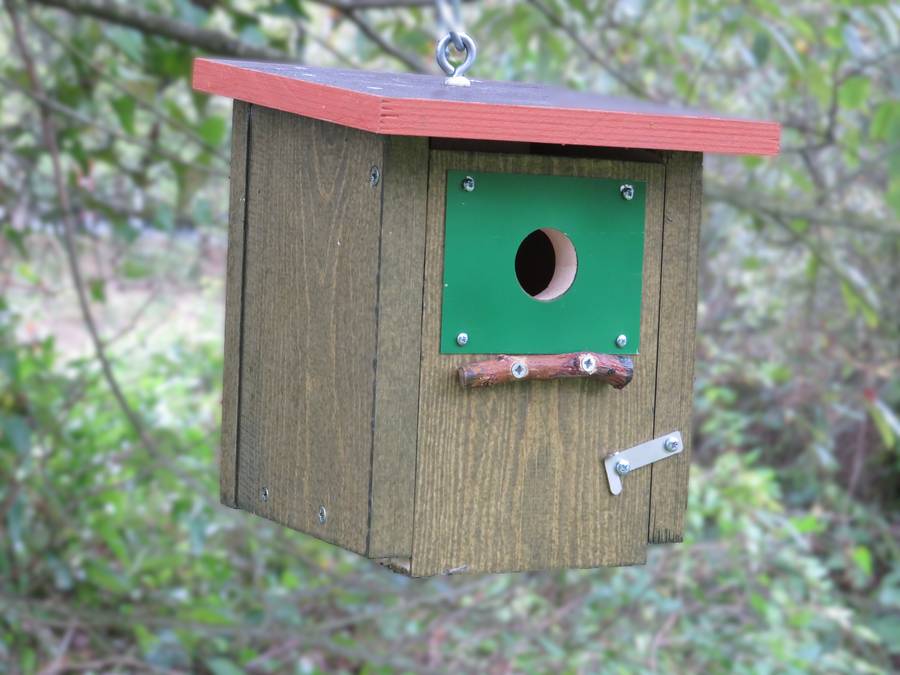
616, 371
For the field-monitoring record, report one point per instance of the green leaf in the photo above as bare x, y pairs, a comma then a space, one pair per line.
885, 420
127, 40
209, 615
885, 124
808, 524
17, 239
28, 661
856, 304
212, 130
862, 557
114, 541
97, 288
799, 225
16, 432
124, 107
854, 92
762, 45
135, 269
223, 667
290, 8
100, 575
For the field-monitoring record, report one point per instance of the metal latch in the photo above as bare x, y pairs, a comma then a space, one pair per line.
622, 463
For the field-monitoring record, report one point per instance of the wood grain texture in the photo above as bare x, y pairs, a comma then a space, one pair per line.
405, 182
307, 373
677, 332
612, 369
422, 105
240, 136
512, 478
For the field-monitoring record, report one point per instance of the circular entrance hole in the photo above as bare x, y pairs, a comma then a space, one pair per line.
546, 264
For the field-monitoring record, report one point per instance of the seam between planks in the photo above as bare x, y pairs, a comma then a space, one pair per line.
243, 286
659, 310
384, 143
421, 349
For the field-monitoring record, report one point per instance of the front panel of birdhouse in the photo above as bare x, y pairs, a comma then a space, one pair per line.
511, 477
366, 270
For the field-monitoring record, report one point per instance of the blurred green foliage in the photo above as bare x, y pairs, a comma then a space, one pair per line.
114, 555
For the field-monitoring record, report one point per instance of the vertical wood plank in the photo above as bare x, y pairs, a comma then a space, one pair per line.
511, 478
677, 330
307, 368
240, 137
405, 183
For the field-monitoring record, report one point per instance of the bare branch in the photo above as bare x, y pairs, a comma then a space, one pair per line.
153, 108
754, 202
376, 4
52, 104
408, 60
69, 229
633, 86
211, 41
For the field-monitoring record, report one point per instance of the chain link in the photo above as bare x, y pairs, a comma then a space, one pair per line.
449, 16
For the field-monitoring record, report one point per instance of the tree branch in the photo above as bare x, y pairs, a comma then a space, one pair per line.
211, 41
47, 103
48, 130
765, 205
151, 107
376, 4
408, 60
632, 85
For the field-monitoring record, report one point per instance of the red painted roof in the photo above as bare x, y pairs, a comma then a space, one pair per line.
422, 105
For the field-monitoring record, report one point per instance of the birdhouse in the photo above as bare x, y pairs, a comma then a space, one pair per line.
460, 320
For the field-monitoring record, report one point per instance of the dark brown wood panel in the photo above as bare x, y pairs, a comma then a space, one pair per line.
511, 478
405, 184
307, 369
240, 135
677, 330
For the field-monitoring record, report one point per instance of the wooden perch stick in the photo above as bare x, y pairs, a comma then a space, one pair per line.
616, 371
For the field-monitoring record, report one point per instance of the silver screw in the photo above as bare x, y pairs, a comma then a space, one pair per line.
264, 494
672, 444
323, 515
462, 339
627, 192
468, 184
519, 370
623, 466
374, 176
588, 363
621, 341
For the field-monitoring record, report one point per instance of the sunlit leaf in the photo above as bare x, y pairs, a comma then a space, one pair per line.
854, 92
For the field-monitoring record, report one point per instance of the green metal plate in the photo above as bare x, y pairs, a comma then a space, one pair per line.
482, 294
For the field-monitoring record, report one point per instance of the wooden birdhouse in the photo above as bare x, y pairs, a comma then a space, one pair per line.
460, 320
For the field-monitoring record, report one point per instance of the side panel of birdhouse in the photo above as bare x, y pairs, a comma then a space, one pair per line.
300, 424
511, 477
677, 331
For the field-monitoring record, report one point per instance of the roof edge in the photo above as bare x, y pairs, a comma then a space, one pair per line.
476, 120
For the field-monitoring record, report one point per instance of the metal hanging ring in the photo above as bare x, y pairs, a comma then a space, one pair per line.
457, 40
443, 57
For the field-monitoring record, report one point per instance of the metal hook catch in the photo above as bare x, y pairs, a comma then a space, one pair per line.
456, 73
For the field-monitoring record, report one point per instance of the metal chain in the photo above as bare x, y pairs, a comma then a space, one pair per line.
449, 16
